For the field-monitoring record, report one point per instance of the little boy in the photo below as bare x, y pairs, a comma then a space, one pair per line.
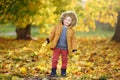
63, 41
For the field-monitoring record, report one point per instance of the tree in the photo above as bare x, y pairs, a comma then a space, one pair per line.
105, 11
24, 13
96, 10
46, 13
19, 12
24, 33
116, 36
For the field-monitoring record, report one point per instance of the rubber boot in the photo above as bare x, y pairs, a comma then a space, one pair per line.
63, 72
53, 72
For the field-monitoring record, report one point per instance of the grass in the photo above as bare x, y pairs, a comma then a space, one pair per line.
8, 30
98, 32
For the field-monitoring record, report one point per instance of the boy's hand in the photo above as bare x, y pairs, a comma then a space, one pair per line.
74, 51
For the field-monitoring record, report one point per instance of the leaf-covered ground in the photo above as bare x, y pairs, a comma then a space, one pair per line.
96, 59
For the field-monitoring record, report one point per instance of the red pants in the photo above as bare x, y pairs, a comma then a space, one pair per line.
56, 54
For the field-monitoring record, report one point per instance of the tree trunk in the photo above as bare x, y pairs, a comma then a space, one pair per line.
24, 33
116, 36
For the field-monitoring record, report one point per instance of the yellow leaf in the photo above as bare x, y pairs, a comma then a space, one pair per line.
23, 70
15, 78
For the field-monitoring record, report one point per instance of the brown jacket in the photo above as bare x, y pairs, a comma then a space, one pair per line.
55, 35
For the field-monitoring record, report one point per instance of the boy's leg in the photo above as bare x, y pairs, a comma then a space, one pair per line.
64, 58
64, 62
56, 53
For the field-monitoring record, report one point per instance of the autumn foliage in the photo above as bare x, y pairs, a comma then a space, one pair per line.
46, 13
97, 58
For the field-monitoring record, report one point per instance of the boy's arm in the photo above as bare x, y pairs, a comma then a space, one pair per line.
74, 42
51, 36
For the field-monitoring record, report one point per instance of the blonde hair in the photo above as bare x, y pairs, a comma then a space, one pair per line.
71, 14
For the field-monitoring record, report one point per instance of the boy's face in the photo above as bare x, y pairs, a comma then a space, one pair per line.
67, 21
